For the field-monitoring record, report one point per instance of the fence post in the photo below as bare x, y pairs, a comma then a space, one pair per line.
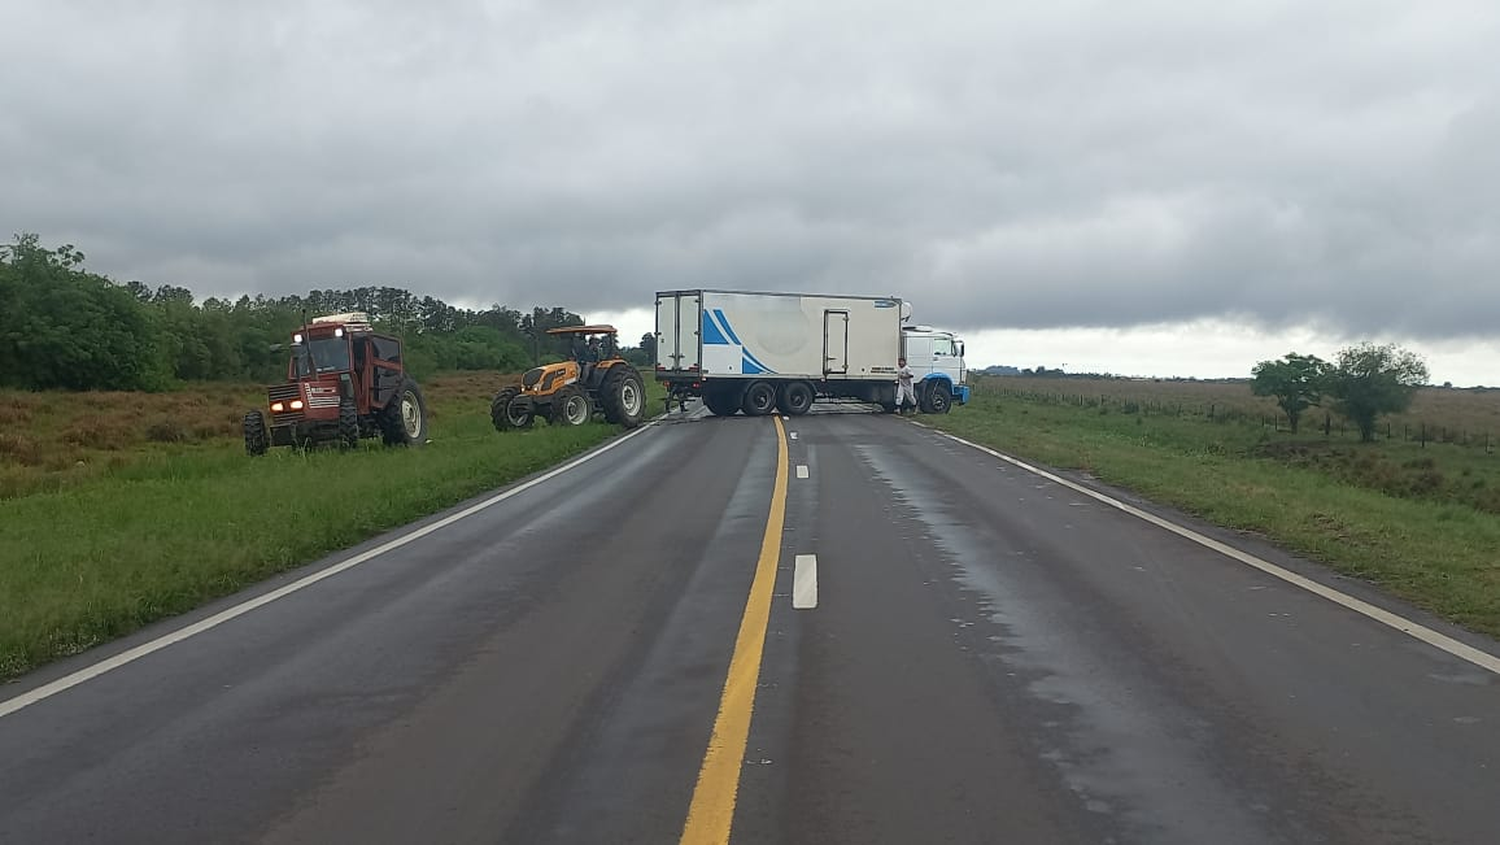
1424, 434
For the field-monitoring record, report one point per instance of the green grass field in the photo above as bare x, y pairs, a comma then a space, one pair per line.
1420, 522
166, 526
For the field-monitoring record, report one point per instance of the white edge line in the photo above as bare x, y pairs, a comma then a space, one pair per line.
802, 470
805, 583
109, 664
1443, 642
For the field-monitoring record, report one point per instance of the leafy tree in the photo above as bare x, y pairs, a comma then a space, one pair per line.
64, 327
1296, 381
1369, 380
648, 347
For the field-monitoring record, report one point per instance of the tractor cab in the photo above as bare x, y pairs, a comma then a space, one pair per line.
344, 381
594, 379
589, 347
323, 349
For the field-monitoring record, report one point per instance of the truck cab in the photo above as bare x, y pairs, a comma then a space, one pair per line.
936, 357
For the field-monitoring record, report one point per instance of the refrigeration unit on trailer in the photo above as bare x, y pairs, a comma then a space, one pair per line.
759, 352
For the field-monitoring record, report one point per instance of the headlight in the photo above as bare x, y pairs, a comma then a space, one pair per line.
277, 407
296, 404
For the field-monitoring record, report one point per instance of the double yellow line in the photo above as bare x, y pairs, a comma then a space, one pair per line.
711, 814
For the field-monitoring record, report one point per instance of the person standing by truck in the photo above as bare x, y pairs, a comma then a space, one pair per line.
905, 389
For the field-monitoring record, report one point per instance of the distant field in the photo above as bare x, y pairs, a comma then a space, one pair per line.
1469, 417
55, 439
108, 523
1423, 521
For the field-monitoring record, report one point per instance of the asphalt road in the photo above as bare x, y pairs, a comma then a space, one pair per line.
987, 656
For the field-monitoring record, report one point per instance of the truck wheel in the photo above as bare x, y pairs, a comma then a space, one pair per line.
796, 398
939, 398
570, 407
723, 400
257, 441
624, 396
348, 424
403, 420
506, 413
760, 398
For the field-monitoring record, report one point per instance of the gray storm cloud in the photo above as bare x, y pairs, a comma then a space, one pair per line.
1026, 165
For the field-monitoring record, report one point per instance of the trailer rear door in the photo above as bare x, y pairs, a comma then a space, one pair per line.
677, 330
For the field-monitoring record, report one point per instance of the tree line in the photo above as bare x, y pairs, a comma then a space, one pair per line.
1361, 383
62, 326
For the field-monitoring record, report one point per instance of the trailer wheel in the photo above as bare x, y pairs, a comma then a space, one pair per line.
760, 398
723, 400
796, 398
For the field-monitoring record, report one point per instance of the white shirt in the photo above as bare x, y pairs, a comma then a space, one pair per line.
903, 375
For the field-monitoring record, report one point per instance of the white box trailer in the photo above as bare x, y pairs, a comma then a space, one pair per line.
756, 352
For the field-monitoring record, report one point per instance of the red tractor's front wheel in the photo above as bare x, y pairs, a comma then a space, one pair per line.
348, 424
257, 439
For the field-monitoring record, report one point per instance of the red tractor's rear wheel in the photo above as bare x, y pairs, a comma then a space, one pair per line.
403, 420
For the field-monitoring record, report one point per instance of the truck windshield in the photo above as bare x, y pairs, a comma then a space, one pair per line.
329, 355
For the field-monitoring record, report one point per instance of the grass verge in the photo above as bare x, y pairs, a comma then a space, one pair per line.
1438, 555
175, 528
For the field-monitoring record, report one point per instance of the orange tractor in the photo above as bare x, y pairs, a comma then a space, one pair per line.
595, 380
344, 381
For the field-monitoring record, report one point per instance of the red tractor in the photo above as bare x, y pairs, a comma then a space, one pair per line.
344, 381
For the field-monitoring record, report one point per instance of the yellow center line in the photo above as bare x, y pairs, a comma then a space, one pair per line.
711, 814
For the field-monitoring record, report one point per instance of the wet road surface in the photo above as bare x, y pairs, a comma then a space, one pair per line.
840, 628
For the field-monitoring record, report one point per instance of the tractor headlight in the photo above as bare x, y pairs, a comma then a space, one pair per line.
277, 407
296, 404
338, 332
297, 338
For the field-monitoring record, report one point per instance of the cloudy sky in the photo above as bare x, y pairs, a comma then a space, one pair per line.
1138, 187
